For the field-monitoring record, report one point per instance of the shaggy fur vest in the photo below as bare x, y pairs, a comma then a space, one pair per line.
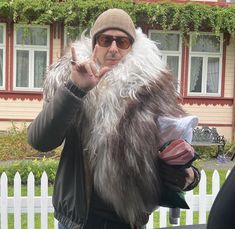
119, 125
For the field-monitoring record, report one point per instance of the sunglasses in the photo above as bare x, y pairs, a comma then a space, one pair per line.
106, 41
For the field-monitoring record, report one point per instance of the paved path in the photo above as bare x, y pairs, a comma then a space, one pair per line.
216, 164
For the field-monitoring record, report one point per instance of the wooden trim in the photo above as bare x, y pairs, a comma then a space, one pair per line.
186, 67
16, 120
7, 68
223, 68
215, 124
11, 54
183, 78
29, 120
51, 45
21, 95
206, 101
62, 41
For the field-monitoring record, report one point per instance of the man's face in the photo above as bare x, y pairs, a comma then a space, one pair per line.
116, 42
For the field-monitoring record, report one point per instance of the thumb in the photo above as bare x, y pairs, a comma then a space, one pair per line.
73, 54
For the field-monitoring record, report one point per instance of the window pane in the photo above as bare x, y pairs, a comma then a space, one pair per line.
196, 74
1, 34
1, 67
206, 43
31, 36
169, 42
40, 60
213, 75
22, 68
173, 63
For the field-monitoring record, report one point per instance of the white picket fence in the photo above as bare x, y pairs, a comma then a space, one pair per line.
32, 204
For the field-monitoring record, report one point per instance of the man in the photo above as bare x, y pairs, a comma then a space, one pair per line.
103, 102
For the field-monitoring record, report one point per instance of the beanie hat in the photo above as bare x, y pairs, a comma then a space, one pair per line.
113, 19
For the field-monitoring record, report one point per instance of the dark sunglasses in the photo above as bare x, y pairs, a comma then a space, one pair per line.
106, 41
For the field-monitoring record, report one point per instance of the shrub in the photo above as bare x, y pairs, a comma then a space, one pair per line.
229, 148
14, 145
37, 167
206, 152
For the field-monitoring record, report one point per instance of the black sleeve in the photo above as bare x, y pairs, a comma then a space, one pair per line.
49, 128
222, 211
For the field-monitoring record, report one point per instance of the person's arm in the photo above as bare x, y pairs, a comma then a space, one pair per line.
49, 128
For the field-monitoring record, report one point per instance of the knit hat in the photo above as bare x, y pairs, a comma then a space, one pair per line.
113, 19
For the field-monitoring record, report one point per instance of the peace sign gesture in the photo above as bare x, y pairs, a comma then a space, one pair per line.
86, 74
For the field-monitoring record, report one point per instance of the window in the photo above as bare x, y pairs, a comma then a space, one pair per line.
2, 55
31, 56
230, 1
205, 62
170, 46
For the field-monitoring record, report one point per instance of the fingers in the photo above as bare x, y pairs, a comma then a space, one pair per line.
73, 53
91, 68
94, 69
94, 54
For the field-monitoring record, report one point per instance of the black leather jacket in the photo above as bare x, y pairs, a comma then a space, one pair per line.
51, 127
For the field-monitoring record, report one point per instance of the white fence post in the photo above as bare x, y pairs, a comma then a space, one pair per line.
215, 184
3, 201
163, 217
150, 222
227, 173
30, 201
55, 223
44, 202
189, 212
17, 201
202, 198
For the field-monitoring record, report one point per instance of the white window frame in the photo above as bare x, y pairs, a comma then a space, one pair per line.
165, 53
3, 47
31, 49
230, 1
205, 56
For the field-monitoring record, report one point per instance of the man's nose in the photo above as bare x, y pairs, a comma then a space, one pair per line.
113, 47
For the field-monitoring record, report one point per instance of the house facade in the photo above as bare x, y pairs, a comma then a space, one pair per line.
204, 65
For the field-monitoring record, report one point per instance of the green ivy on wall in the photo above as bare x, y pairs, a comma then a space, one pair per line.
166, 15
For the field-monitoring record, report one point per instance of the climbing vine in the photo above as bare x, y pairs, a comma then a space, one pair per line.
166, 15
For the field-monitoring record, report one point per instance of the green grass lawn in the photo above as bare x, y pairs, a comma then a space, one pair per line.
182, 219
37, 221
24, 190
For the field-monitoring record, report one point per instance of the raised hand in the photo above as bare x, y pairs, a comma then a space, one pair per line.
86, 74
